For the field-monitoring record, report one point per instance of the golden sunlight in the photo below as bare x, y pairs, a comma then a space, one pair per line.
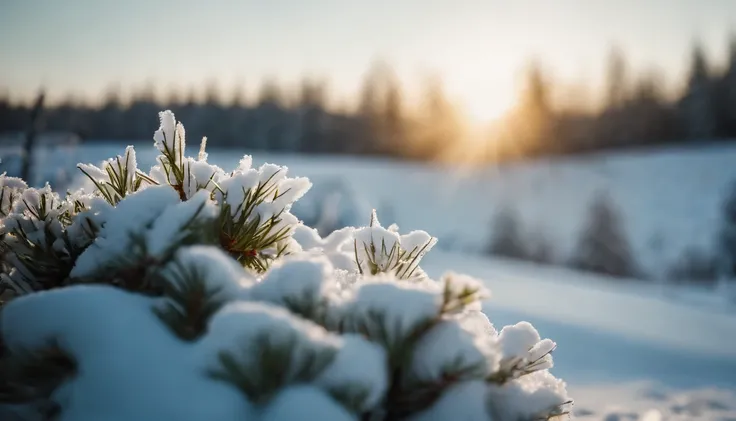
484, 107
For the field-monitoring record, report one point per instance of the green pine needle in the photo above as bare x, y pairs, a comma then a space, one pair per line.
273, 362
189, 302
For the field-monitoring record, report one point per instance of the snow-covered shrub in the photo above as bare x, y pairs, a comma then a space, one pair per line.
540, 247
603, 246
694, 266
727, 245
192, 293
507, 238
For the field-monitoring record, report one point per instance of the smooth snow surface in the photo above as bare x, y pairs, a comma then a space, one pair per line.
645, 401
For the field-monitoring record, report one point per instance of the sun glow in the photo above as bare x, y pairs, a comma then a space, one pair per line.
483, 107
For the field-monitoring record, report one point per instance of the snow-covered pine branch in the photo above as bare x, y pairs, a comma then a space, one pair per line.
191, 293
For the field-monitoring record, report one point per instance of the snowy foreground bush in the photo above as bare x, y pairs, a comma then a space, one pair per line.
191, 293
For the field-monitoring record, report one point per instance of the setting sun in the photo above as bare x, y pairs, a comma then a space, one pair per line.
483, 109
484, 89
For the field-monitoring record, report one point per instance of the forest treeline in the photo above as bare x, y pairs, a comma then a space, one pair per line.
637, 111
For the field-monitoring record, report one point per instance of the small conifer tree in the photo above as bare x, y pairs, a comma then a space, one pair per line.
603, 246
507, 239
727, 245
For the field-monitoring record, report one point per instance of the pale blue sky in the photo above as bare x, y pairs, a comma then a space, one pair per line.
477, 46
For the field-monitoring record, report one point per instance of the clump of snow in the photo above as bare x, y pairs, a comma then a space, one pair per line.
235, 189
291, 190
530, 397
204, 175
131, 216
34, 215
469, 356
114, 174
251, 333
402, 308
341, 239
518, 339
522, 351
90, 213
338, 246
39, 204
308, 238
382, 250
219, 272
360, 365
171, 226
417, 242
298, 283
170, 136
10, 189
477, 323
464, 291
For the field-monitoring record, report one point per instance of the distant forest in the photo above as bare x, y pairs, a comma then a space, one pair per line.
636, 113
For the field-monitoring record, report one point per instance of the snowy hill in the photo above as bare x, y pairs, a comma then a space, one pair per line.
670, 199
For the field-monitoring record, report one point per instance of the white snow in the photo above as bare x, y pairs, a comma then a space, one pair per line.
295, 280
240, 327
307, 237
130, 216
639, 400
404, 305
417, 242
205, 175
291, 190
217, 269
338, 246
10, 188
236, 187
170, 136
245, 163
528, 397
611, 336
477, 322
32, 200
359, 362
469, 288
516, 340
271, 174
115, 166
168, 228
434, 358
150, 384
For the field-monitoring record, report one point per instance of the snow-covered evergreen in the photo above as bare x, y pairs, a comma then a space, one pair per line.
192, 293
603, 245
727, 246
